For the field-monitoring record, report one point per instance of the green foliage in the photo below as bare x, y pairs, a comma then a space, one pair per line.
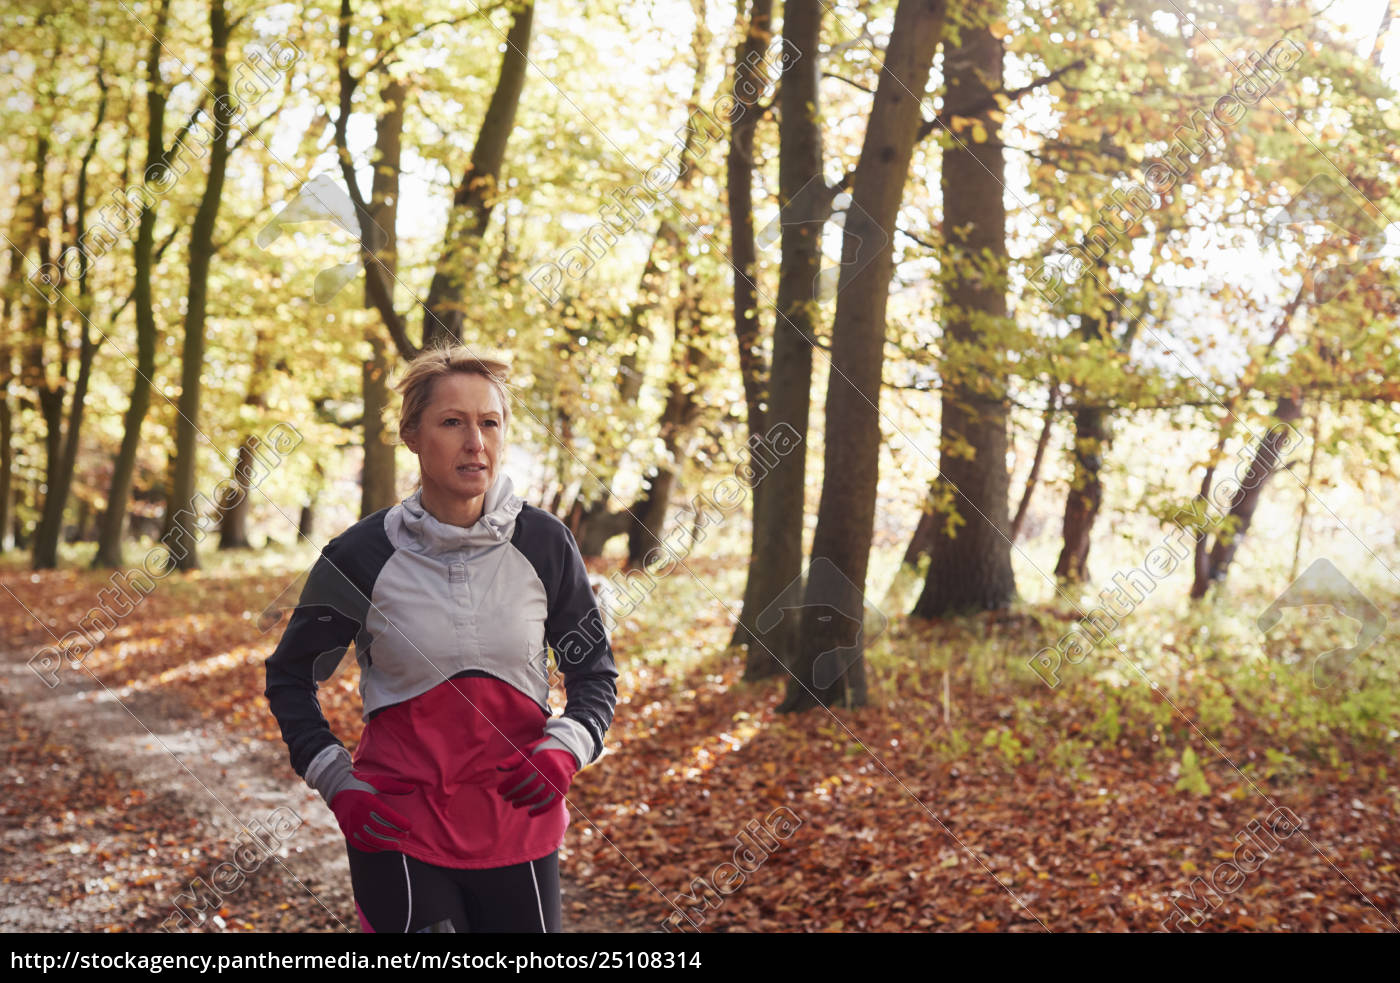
1283, 765
1070, 756
952, 745
1215, 709
1106, 726
1008, 746
1192, 778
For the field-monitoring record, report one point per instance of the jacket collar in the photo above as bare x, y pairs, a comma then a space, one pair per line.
409, 522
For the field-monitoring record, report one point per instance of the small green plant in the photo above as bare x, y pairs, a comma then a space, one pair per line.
1071, 756
953, 746
1283, 765
1192, 779
1008, 745
1106, 727
1216, 710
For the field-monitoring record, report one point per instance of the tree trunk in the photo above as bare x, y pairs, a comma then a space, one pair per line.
970, 567
476, 192
33, 371
689, 363
62, 488
1034, 476
109, 544
14, 263
645, 519
83, 532
233, 509
775, 568
1245, 499
61, 480
379, 484
749, 85
306, 525
24, 502
648, 514
1091, 438
595, 524
830, 663
472, 202
7, 457
183, 528
1204, 572
234, 506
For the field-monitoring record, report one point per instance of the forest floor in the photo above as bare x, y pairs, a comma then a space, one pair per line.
959, 798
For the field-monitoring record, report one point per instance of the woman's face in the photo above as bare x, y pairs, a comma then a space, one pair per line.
459, 438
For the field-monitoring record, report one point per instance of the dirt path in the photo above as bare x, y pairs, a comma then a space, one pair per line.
117, 805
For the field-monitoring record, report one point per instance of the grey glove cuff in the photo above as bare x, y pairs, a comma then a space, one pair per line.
569, 735
554, 744
332, 772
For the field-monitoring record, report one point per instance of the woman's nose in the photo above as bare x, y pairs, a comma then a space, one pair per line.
474, 441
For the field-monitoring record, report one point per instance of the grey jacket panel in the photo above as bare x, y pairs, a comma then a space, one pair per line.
481, 607
425, 600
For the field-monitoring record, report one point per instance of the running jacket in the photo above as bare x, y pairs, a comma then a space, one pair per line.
451, 627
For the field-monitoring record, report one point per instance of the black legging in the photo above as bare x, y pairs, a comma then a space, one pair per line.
396, 893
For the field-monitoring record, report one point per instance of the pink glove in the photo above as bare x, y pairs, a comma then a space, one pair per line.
535, 775
366, 818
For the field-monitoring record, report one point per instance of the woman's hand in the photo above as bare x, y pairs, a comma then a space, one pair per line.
364, 815
536, 774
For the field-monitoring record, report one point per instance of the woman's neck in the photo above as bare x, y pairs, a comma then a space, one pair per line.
456, 512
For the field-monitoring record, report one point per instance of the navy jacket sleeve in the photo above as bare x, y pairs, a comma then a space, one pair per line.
328, 616
574, 629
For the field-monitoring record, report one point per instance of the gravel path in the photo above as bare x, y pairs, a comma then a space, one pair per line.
116, 806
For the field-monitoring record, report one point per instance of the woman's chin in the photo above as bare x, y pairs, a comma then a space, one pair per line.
472, 485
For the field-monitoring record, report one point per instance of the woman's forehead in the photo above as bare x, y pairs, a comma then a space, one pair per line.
463, 391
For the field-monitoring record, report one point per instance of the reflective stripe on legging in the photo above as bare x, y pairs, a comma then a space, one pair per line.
392, 889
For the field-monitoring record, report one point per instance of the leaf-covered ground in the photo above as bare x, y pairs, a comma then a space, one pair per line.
961, 800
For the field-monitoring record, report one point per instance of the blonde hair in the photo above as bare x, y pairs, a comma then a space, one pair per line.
433, 363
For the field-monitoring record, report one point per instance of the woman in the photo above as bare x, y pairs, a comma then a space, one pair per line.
453, 804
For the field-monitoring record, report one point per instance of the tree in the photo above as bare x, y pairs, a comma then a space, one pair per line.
378, 487
750, 83
830, 663
181, 534
472, 201
775, 565
970, 560
156, 172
